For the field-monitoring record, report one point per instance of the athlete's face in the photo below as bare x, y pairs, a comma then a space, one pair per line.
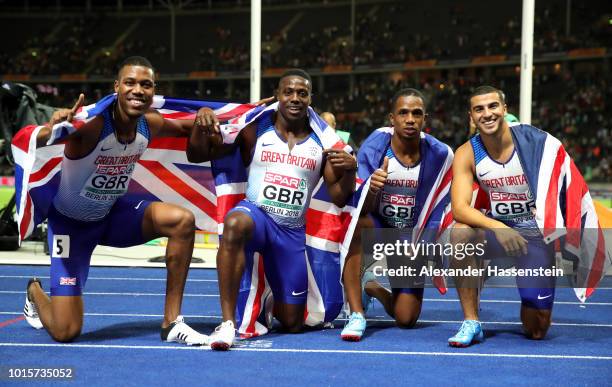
408, 117
487, 112
135, 89
294, 97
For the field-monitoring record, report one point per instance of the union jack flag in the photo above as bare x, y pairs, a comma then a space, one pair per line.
70, 281
565, 213
433, 194
208, 190
163, 173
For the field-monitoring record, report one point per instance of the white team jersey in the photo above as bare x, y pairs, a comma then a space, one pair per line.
398, 196
89, 186
506, 185
281, 181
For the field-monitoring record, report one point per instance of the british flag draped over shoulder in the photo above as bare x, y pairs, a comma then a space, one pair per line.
163, 173
209, 191
433, 195
565, 212
564, 207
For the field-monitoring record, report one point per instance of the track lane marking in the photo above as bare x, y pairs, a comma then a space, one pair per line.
317, 351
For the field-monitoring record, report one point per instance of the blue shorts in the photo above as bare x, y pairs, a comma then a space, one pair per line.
71, 242
284, 254
535, 292
417, 291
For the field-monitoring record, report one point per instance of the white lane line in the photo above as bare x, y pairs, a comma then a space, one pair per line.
318, 351
119, 294
216, 295
372, 319
111, 278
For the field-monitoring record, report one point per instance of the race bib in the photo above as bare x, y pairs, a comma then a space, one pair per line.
513, 207
283, 195
397, 210
108, 182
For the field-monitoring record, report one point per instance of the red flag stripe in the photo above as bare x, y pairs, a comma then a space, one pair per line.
180, 187
445, 181
550, 210
44, 171
326, 226
169, 143
27, 217
225, 203
261, 281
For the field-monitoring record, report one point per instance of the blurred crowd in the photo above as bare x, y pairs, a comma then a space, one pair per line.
571, 105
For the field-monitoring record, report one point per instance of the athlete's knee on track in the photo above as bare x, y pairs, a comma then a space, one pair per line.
406, 322
291, 323
66, 332
537, 328
406, 318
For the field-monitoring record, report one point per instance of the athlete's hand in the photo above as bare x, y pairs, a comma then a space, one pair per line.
264, 101
207, 122
340, 159
62, 115
379, 177
513, 243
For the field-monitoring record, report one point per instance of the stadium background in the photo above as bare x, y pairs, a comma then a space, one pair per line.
200, 49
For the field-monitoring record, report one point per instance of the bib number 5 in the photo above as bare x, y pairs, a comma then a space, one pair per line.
61, 246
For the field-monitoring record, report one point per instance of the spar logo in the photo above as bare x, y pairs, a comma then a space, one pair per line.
398, 200
508, 196
285, 181
288, 190
397, 206
512, 204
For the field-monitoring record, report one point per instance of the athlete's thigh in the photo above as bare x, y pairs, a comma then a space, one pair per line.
253, 222
124, 223
71, 243
285, 265
537, 291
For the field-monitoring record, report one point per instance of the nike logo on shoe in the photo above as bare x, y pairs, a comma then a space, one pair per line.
542, 298
294, 293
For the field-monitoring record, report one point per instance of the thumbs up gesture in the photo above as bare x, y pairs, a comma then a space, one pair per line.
379, 177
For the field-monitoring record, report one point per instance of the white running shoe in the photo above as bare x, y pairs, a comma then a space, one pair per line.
29, 310
223, 336
179, 332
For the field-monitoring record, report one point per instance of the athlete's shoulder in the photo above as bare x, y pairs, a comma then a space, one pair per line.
464, 152
154, 119
91, 129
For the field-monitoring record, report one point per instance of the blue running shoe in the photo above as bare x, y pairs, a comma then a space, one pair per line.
469, 333
366, 300
354, 328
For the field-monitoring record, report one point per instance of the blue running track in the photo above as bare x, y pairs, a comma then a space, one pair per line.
120, 344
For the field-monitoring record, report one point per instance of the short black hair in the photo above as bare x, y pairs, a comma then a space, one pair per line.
135, 61
486, 89
296, 72
407, 92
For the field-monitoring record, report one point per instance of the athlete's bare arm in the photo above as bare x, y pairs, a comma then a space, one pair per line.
58, 116
377, 183
463, 212
79, 143
339, 175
